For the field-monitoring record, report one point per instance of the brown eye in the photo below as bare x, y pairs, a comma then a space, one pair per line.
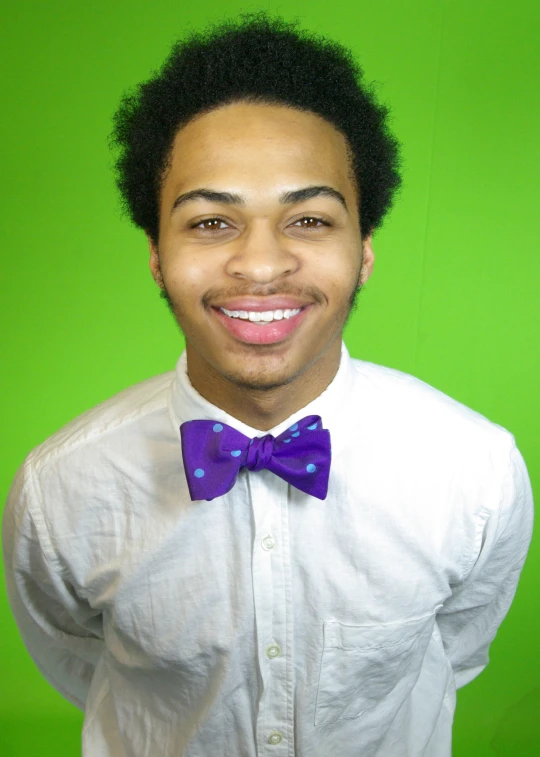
210, 224
310, 222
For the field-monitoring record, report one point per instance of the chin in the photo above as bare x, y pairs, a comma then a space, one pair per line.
260, 381
260, 386
259, 374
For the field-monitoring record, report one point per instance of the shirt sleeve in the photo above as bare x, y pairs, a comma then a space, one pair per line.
470, 618
61, 631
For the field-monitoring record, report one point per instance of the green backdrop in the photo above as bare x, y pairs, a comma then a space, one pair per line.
454, 298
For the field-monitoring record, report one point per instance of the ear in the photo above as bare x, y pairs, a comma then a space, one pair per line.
154, 264
368, 260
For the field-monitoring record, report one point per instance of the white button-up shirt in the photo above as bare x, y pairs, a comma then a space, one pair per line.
266, 622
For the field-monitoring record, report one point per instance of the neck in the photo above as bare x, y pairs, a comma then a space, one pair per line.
263, 408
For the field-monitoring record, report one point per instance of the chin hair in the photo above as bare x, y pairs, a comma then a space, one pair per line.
259, 385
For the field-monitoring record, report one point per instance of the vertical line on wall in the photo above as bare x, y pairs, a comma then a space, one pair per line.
429, 182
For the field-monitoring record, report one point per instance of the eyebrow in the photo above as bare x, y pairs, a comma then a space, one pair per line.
288, 198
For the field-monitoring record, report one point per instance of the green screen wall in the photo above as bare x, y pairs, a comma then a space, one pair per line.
453, 300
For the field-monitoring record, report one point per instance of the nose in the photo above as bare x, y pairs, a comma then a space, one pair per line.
261, 256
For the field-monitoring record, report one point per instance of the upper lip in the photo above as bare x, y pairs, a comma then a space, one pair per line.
263, 304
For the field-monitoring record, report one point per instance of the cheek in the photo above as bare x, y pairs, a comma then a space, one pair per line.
187, 274
337, 275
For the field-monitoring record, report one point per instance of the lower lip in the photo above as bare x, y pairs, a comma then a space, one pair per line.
267, 333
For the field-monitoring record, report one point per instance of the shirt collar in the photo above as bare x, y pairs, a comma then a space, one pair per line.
186, 404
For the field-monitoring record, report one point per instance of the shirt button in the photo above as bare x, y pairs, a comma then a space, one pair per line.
275, 738
268, 543
273, 651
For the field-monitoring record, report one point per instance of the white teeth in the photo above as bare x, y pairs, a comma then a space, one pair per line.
267, 316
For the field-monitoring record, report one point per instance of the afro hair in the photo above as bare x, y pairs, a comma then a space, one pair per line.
260, 59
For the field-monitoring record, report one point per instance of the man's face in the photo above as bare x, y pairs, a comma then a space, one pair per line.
239, 237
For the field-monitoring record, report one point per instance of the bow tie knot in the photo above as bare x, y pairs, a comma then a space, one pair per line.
214, 454
259, 452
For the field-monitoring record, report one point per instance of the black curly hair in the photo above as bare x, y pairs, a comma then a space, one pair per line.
260, 59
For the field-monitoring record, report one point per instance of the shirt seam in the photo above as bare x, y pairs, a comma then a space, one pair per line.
35, 514
484, 516
41, 456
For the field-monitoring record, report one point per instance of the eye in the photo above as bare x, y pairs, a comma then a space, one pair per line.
210, 224
310, 222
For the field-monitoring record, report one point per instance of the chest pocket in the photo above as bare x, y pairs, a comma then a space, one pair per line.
368, 671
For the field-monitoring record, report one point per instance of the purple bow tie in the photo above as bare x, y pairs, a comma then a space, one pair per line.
214, 453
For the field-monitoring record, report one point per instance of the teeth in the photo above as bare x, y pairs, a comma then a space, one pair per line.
266, 316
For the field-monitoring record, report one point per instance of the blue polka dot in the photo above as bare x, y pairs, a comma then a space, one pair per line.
311, 468
286, 441
312, 427
199, 473
236, 452
217, 427
296, 433
293, 427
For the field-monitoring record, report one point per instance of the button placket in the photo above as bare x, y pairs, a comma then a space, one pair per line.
271, 596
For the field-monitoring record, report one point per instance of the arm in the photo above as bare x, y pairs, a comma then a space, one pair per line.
470, 618
60, 630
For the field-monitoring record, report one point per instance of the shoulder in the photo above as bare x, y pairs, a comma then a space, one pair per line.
411, 409
69, 485
122, 413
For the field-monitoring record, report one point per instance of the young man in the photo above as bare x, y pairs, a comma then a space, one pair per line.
276, 549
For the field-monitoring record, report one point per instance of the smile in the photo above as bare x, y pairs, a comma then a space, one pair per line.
260, 327
266, 316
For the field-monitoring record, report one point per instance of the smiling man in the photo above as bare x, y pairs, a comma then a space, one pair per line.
275, 549
260, 254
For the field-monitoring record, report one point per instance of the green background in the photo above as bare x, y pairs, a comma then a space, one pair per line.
454, 298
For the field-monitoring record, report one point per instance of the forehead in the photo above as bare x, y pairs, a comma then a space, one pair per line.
259, 145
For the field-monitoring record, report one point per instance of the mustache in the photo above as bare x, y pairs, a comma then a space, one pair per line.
216, 295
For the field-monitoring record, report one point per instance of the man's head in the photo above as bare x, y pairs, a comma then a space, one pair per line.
259, 166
